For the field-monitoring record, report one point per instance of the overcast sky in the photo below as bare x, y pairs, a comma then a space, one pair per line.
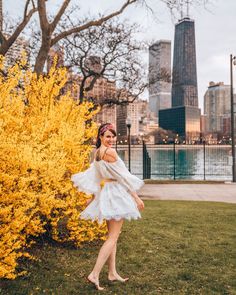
215, 29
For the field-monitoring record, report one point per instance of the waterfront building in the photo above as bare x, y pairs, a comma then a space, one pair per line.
151, 126
184, 76
203, 123
184, 116
217, 107
103, 90
137, 113
121, 121
159, 76
107, 114
184, 121
226, 125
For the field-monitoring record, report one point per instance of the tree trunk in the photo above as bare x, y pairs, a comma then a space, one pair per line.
81, 91
41, 58
44, 49
4, 48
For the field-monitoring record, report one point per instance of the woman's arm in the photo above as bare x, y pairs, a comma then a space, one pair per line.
138, 201
90, 200
111, 156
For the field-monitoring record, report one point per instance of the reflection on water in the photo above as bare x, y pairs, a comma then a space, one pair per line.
186, 163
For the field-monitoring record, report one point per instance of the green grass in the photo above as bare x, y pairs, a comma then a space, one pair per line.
176, 248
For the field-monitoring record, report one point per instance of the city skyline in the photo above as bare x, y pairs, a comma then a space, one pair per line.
215, 34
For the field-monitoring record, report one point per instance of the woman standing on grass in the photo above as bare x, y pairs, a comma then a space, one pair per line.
116, 201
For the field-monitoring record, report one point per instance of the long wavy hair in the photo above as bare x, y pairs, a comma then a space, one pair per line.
101, 133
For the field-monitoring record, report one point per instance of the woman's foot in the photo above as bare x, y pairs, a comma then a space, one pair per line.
95, 282
116, 277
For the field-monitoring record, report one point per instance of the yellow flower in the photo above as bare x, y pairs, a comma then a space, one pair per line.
44, 139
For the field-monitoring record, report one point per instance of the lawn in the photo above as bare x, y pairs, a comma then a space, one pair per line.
178, 247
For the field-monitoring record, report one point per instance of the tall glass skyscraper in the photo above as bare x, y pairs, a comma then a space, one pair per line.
217, 106
159, 76
184, 77
184, 116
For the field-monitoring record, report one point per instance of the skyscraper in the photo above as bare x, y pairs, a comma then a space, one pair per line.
184, 116
184, 78
217, 106
159, 76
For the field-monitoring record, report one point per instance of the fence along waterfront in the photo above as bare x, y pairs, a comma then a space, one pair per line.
175, 161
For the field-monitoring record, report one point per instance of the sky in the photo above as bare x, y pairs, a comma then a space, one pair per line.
215, 30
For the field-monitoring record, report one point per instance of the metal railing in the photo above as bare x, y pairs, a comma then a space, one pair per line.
176, 161
146, 163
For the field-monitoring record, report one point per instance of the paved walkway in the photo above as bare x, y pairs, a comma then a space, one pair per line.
225, 192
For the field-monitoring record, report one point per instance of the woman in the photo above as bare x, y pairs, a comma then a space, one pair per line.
116, 201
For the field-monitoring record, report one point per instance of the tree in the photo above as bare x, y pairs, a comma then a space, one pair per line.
50, 35
48, 29
163, 136
107, 51
41, 145
7, 40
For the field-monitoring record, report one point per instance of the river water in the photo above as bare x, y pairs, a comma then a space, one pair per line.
209, 162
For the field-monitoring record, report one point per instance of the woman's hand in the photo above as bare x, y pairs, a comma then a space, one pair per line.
90, 200
140, 203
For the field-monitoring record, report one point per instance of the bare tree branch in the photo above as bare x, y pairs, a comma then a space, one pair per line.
48, 28
106, 53
44, 23
51, 34
6, 43
97, 22
2, 37
59, 14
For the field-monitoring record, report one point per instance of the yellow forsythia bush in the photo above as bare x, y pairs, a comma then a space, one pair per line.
43, 140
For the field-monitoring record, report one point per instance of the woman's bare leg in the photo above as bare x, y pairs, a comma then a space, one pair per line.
112, 263
112, 272
106, 249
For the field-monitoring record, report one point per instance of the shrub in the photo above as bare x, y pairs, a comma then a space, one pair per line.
44, 138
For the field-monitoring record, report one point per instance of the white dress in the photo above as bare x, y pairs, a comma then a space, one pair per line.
114, 200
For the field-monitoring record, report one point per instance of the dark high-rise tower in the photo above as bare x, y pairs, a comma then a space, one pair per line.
184, 116
184, 79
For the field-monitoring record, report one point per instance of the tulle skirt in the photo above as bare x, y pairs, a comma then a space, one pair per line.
112, 202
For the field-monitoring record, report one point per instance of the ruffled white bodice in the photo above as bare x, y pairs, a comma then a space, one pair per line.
114, 200
89, 180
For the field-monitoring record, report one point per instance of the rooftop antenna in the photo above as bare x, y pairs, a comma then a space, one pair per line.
181, 9
187, 1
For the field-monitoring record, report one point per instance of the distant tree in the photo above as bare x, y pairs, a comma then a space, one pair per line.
163, 136
8, 37
49, 25
51, 36
107, 51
